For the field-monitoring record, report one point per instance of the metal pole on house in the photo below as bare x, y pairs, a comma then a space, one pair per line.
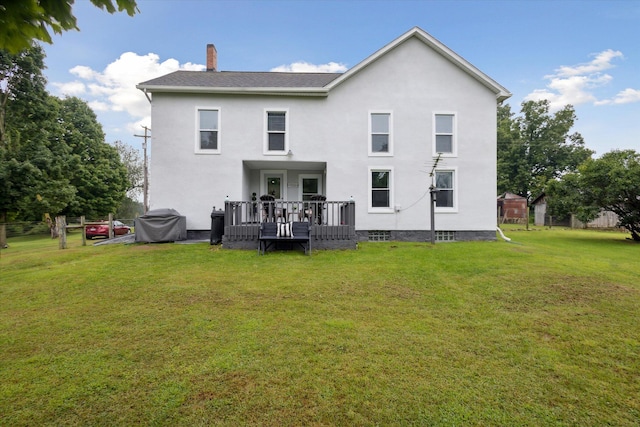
145, 184
432, 195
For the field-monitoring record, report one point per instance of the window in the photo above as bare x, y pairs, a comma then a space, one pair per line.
380, 142
445, 186
445, 236
309, 185
208, 131
444, 125
379, 236
380, 184
276, 132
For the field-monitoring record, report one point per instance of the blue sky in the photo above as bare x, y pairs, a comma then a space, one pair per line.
581, 52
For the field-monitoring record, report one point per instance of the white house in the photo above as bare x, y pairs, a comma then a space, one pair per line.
371, 135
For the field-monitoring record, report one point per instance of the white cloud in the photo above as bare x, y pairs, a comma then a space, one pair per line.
114, 88
305, 67
74, 88
601, 62
626, 96
576, 84
98, 106
83, 72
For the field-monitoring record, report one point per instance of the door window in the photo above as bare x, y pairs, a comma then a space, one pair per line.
274, 186
309, 188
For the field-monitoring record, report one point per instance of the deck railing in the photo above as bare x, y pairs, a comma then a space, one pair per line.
330, 220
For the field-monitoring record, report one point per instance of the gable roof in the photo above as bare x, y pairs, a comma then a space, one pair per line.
304, 84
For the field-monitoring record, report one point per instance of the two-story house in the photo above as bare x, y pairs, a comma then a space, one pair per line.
370, 135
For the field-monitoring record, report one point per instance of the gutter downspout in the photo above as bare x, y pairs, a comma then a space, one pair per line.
502, 235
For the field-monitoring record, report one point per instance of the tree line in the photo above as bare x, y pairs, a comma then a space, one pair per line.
53, 155
538, 154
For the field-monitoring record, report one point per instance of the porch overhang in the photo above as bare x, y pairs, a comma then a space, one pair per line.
284, 165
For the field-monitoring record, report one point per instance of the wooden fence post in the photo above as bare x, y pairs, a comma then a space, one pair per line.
111, 226
84, 234
61, 223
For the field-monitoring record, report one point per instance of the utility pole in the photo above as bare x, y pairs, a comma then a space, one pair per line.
432, 199
145, 185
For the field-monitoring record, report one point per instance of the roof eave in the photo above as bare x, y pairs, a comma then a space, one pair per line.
291, 91
503, 96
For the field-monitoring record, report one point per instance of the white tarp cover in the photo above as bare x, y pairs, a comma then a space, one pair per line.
161, 225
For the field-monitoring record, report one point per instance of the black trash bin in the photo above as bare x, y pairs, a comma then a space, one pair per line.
217, 226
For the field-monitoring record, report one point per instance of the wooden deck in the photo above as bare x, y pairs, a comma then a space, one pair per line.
332, 222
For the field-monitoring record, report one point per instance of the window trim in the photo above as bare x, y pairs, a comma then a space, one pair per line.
456, 191
383, 210
265, 147
198, 149
454, 135
389, 152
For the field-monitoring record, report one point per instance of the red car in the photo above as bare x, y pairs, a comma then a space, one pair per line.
103, 230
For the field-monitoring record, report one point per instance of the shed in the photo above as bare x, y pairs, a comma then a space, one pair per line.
512, 208
540, 209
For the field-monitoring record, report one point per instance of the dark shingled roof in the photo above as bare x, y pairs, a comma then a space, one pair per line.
241, 79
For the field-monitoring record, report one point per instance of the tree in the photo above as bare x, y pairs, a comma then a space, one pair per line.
130, 157
129, 209
565, 197
95, 169
536, 147
612, 182
33, 162
53, 157
22, 21
131, 160
514, 173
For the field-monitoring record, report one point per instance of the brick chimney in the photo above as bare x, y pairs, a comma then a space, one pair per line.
212, 58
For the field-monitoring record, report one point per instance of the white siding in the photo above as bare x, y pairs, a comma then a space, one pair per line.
412, 81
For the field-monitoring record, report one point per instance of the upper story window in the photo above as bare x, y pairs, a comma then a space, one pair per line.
445, 138
380, 190
380, 135
276, 138
208, 139
445, 183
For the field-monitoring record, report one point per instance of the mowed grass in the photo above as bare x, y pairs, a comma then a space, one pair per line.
541, 331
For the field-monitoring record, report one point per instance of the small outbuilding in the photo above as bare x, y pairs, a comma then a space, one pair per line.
540, 210
605, 219
512, 208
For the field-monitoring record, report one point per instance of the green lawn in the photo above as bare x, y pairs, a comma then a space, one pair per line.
544, 330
